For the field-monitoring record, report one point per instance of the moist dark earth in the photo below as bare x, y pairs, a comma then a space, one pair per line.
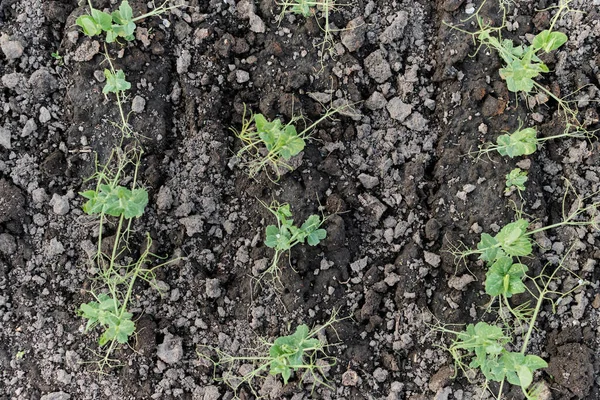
394, 178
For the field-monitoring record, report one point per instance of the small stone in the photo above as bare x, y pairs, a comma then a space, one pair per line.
60, 204
56, 396
44, 115
256, 24
349, 378
459, 282
164, 200
242, 76
12, 49
99, 75
193, 224
395, 31
87, 51
29, 128
138, 104
596, 302
376, 101
398, 109
416, 122
55, 248
432, 259
213, 289
353, 37
377, 66
5, 138
183, 62
369, 182
43, 83
380, 375
170, 350
8, 245
12, 80
211, 393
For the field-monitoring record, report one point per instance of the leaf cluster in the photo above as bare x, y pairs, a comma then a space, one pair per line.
268, 143
118, 24
484, 345
107, 312
115, 82
521, 142
115, 201
504, 277
288, 352
516, 178
286, 235
522, 62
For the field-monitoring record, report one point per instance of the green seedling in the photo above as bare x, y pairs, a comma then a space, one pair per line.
119, 24
106, 312
115, 201
521, 63
56, 55
270, 145
115, 82
484, 346
524, 142
301, 353
117, 269
285, 235
516, 179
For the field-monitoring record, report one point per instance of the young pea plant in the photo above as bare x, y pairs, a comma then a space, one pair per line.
119, 268
483, 346
515, 180
524, 142
522, 63
285, 235
271, 144
119, 24
302, 353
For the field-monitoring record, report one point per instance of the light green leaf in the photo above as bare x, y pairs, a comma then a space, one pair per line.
548, 41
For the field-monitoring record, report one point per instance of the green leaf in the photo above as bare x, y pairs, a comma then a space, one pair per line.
513, 239
516, 178
505, 278
302, 7
111, 36
519, 75
272, 236
103, 20
124, 329
519, 143
489, 248
124, 15
290, 143
88, 25
135, 204
548, 41
116, 82
315, 237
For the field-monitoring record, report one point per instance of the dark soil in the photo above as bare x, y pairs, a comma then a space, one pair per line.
396, 181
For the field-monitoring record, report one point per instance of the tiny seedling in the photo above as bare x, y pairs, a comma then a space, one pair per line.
271, 144
524, 142
516, 179
56, 55
285, 235
119, 24
301, 353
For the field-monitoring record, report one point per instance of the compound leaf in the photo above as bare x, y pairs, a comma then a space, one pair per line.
548, 41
